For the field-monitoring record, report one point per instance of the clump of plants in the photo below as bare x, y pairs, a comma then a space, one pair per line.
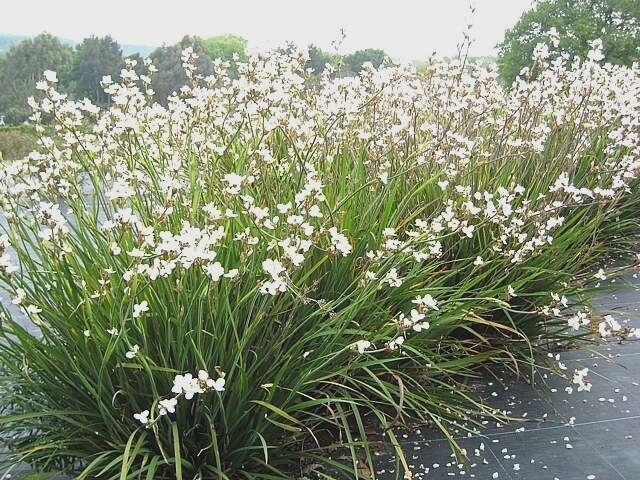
242, 283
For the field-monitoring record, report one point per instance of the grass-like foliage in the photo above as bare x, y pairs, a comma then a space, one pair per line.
242, 284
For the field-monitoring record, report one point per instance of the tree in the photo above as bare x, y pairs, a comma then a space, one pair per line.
318, 59
94, 58
171, 76
616, 22
356, 60
139, 59
22, 67
225, 47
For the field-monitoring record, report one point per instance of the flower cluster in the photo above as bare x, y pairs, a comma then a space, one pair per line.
6, 265
476, 124
186, 386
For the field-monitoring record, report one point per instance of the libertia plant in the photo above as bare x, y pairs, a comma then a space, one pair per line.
241, 283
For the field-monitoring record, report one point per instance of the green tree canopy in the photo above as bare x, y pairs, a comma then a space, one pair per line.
171, 76
94, 58
22, 67
616, 22
225, 47
357, 59
318, 59
139, 59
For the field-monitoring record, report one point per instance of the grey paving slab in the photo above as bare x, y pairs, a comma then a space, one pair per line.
525, 405
555, 453
618, 441
433, 460
604, 402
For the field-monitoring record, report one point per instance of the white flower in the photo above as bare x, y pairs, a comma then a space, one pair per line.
277, 283
140, 308
273, 287
314, 211
283, 207
578, 320
339, 242
115, 248
478, 262
395, 343
541, 52
217, 385
142, 417
389, 232
231, 273
210, 383
369, 275
212, 211
307, 229
392, 278
273, 267
32, 310
468, 230
554, 36
443, 184
426, 301
362, 345
579, 379
600, 275
419, 327
235, 182
186, 385
50, 76
608, 326
295, 219
6, 266
120, 190
416, 320
168, 406
416, 316
133, 352
20, 296
595, 54
259, 213
214, 270
136, 253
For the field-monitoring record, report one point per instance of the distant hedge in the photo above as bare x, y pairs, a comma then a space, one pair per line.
16, 141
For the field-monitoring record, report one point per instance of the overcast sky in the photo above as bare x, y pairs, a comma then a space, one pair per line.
405, 29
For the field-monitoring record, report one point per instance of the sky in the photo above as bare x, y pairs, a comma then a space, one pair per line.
405, 29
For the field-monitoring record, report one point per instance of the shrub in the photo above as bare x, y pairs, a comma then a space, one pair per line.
16, 142
239, 284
